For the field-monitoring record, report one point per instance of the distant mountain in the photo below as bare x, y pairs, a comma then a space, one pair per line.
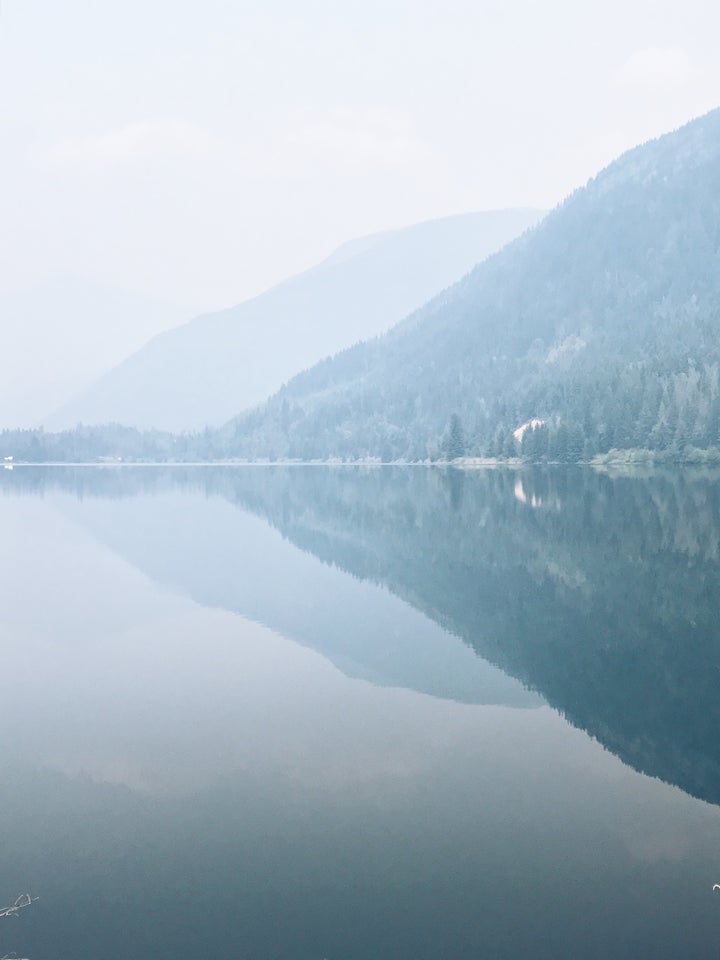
58, 337
603, 322
206, 371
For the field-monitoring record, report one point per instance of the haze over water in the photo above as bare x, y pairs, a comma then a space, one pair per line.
346, 713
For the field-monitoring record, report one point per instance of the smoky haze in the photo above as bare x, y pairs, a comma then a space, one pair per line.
199, 155
205, 371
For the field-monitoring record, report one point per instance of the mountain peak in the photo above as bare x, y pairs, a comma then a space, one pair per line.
625, 272
207, 370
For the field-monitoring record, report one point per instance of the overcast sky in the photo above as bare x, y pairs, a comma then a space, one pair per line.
200, 150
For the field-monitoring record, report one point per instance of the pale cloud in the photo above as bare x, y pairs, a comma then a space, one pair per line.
131, 144
200, 152
355, 141
342, 142
656, 68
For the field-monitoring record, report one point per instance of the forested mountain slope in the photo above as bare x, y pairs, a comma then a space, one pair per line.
208, 370
603, 321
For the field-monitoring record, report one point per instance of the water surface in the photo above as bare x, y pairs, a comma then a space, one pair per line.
346, 713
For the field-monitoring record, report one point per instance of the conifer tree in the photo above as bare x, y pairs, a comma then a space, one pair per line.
456, 439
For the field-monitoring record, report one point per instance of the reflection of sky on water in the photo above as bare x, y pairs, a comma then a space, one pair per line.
264, 801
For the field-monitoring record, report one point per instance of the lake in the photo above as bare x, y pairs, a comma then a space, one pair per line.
360, 713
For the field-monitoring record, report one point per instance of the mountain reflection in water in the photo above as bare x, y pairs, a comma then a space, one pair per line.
599, 593
186, 770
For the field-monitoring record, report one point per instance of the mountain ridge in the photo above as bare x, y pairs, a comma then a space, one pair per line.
219, 363
586, 321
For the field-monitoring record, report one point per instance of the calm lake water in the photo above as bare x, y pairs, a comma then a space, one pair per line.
359, 714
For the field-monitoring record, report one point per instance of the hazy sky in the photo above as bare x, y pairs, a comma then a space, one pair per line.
200, 151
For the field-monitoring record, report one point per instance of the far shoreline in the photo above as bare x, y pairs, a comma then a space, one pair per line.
602, 464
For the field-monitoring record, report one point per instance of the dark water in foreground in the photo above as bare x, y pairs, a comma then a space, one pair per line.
350, 714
